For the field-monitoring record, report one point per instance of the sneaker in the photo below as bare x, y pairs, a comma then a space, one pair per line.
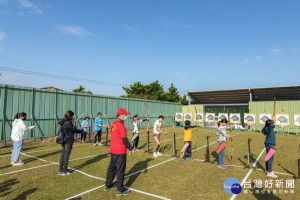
272, 175
95, 144
17, 164
190, 158
60, 173
182, 159
124, 192
159, 154
100, 143
109, 188
223, 164
221, 167
155, 155
12, 162
81, 141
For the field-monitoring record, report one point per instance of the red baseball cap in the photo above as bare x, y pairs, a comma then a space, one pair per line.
123, 111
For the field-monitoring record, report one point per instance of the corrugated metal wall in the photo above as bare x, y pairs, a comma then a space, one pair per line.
191, 109
45, 108
281, 107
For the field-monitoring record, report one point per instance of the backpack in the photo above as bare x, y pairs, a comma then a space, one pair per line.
61, 137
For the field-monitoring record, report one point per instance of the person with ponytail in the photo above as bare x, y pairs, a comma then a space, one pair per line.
17, 137
68, 129
270, 142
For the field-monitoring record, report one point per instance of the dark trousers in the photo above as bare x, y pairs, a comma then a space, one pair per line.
135, 142
269, 163
98, 135
83, 136
188, 151
117, 166
65, 154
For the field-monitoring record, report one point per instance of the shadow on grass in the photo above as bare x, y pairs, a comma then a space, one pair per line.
138, 166
24, 194
285, 169
91, 161
28, 160
253, 159
24, 149
265, 196
215, 156
166, 148
6, 185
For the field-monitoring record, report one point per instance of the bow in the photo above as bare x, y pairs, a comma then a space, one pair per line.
231, 140
107, 129
78, 118
166, 131
148, 116
196, 124
274, 110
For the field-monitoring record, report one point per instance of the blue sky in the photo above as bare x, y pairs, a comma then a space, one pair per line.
197, 45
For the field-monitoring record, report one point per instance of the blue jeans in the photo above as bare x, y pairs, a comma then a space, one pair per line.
221, 156
188, 151
269, 163
17, 148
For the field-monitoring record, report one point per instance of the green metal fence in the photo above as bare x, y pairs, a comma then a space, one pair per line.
45, 108
281, 107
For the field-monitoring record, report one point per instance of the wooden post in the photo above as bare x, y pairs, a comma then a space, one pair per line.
148, 142
174, 147
207, 155
249, 156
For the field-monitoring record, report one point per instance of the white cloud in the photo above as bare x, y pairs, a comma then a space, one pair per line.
274, 51
8, 79
182, 72
2, 35
130, 28
33, 7
259, 57
74, 30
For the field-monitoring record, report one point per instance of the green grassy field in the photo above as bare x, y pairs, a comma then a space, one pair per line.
164, 177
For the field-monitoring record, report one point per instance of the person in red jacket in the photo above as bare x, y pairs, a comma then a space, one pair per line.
118, 150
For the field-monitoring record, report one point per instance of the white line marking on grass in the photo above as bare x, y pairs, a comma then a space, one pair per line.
146, 193
210, 144
78, 195
55, 163
22, 170
249, 172
149, 167
42, 150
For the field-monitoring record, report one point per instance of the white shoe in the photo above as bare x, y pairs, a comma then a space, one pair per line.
17, 164
100, 143
271, 174
95, 144
159, 154
155, 155
12, 162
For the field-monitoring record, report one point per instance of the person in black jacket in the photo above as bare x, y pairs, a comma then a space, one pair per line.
68, 129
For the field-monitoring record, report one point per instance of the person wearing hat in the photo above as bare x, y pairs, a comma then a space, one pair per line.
85, 125
118, 151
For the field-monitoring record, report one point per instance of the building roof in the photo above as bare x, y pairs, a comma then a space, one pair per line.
52, 88
237, 96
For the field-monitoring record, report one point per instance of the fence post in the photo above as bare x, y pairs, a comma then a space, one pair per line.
3, 102
32, 114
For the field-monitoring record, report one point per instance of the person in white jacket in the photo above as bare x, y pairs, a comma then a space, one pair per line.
17, 136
